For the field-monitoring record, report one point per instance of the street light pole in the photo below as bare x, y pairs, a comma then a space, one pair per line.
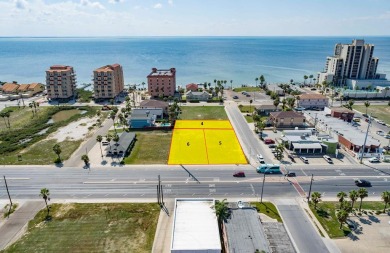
262, 189
311, 182
365, 139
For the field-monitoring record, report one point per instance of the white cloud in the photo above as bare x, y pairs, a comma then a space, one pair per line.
20, 4
91, 4
157, 6
170, 2
115, 1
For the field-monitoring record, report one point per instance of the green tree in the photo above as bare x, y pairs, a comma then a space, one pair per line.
291, 102
341, 196
250, 105
362, 193
262, 80
3, 115
261, 125
366, 104
386, 198
342, 216
8, 115
85, 159
222, 211
256, 79
284, 102
305, 77
353, 196
276, 103
279, 151
45, 193
231, 84
109, 138
311, 77
291, 81
57, 150
99, 139
316, 198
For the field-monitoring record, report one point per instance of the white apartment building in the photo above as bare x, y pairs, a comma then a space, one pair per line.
108, 81
60, 82
312, 100
350, 61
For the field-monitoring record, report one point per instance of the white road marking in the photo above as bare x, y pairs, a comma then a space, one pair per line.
211, 185
303, 172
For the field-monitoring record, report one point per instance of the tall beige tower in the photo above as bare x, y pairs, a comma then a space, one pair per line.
60, 82
108, 81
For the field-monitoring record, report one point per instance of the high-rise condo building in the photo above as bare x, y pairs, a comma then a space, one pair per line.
60, 82
108, 81
353, 61
162, 82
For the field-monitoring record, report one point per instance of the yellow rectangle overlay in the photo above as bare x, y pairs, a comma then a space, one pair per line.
205, 142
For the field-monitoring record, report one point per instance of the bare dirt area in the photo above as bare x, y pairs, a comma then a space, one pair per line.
372, 235
77, 130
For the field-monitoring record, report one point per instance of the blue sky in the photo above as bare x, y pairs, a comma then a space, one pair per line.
194, 17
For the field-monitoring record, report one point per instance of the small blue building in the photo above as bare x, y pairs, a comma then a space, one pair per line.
141, 121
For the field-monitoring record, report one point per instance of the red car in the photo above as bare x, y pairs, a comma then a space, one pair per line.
269, 141
239, 174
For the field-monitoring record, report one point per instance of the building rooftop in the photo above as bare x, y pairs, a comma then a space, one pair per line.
311, 96
287, 114
245, 232
195, 226
340, 127
162, 72
341, 110
107, 68
123, 144
23, 87
59, 68
9, 87
153, 104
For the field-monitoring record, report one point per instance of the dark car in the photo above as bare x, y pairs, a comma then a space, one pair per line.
291, 174
269, 141
235, 97
239, 174
365, 115
291, 158
362, 183
248, 95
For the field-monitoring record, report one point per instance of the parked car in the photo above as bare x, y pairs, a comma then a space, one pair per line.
328, 159
260, 158
239, 174
273, 150
387, 136
365, 115
362, 183
387, 148
248, 95
105, 143
272, 145
290, 174
235, 97
269, 141
373, 160
380, 132
381, 122
356, 119
366, 120
304, 159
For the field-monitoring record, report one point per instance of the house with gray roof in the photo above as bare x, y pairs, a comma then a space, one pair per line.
120, 148
197, 95
152, 104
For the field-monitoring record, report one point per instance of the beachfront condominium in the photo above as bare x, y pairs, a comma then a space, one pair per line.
108, 81
353, 61
162, 82
60, 82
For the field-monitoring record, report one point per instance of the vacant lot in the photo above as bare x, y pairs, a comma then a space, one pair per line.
64, 115
382, 112
248, 89
268, 209
150, 148
91, 228
203, 112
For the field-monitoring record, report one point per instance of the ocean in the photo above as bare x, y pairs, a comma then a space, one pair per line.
196, 59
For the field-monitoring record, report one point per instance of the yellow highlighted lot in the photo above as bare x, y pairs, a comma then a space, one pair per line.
205, 142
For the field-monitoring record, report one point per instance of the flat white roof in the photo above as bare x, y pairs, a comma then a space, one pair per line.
195, 226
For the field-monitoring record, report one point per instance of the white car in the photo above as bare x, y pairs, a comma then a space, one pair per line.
328, 159
373, 160
260, 158
380, 132
304, 159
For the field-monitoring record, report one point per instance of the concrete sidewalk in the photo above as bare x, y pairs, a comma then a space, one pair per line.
16, 224
163, 237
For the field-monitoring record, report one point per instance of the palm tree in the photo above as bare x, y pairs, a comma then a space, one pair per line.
262, 80
261, 125
316, 198
3, 115
231, 84
108, 138
256, 79
143, 85
291, 81
8, 115
276, 103
284, 102
45, 195
99, 139
291, 102
57, 150
215, 82
305, 77
362, 193
386, 199
341, 196
353, 195
342, 216
311, 77
222, 211
279, 151
85, 159
112, 116
250, 105
366, 104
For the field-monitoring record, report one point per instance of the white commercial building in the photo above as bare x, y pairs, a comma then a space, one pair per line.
195, 227
353, 61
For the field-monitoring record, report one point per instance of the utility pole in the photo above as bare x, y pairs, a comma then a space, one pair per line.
159, 190
311, 182
365, 139
162, 195
9, 196
262, 189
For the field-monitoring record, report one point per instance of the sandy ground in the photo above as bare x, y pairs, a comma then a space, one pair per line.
374, 236
77, 130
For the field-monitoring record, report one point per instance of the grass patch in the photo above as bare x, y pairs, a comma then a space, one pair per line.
248, 89
326, 215
203, 112
8, 211
382, 112
249, 119
84, 96
268, 209
41, 153
246, 108
64, 115
150, 148
103, 227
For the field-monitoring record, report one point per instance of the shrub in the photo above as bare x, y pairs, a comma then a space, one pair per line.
57, 160
359, 214
378, 212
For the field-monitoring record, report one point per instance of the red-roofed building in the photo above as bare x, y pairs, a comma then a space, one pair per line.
312, 101
162, 82
108, 81
287, 119
192, 87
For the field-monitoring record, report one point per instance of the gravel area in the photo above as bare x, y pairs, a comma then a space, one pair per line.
74, 131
